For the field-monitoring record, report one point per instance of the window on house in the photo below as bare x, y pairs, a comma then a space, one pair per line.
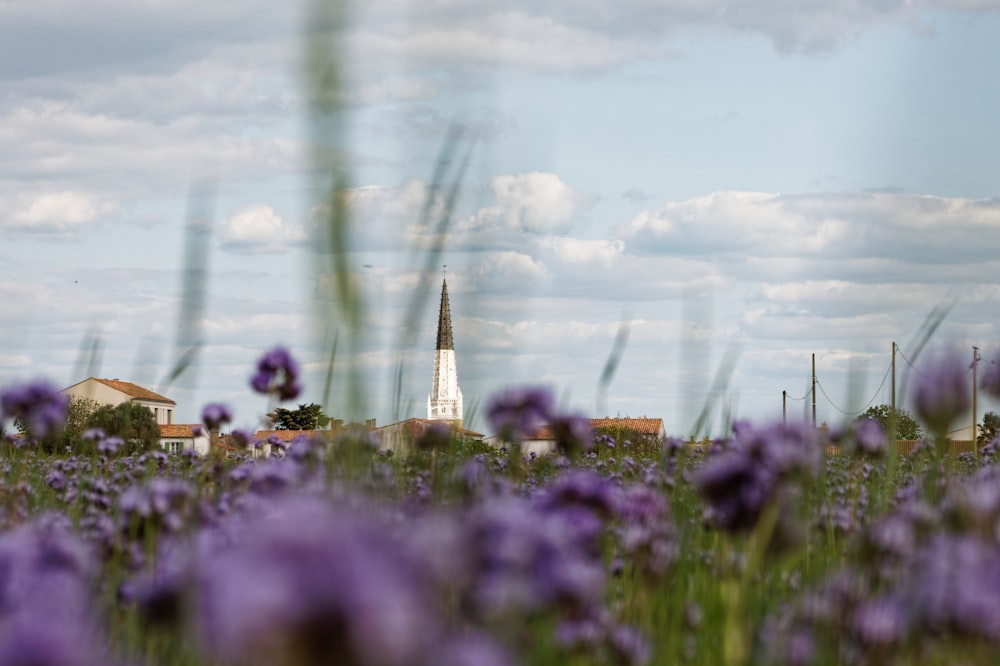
174, 447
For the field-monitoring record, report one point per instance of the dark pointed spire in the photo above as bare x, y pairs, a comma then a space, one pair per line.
444, 340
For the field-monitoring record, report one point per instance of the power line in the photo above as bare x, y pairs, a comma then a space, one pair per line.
870, 402
851, 413
912, 367
806, 395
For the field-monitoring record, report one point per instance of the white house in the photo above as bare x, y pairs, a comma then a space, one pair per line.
543, 441
175, 438
115, 392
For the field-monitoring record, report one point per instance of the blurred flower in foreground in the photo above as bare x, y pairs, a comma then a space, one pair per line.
45, 602
942, 393
309, 584
278, 373
743, 480
216, 414
517, 413
38, 405
866, 438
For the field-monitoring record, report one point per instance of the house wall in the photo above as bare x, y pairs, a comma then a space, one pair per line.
164, 413
397, 438
103, 394
98, 392
540, 447
199, 444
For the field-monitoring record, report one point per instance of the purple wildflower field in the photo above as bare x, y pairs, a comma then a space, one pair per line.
769, 546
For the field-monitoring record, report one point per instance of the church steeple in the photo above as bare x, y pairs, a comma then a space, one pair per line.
445, 400
444, 339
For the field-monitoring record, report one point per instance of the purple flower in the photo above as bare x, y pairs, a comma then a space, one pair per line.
215, 415
741, 481
581, 489
45, 602
573, 433
942, 393
953, 587
870, 438
327, 585
881, 622
646, 532
630, 646
109, 446
470, 650
528, 560
518, 413
38, 405
241, 438
277, 373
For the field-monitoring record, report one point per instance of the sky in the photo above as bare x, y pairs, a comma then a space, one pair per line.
660, 208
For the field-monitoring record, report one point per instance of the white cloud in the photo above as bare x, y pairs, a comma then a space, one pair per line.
257, 229
528, 204
586, 252
884, 235
56, 213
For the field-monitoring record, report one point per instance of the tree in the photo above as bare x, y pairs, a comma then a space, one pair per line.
132, 422
78, 411
906, 426
306, 417
989, 429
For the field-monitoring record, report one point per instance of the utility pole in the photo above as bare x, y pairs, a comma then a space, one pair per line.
814, 389
784, 407
892, 414
975, 439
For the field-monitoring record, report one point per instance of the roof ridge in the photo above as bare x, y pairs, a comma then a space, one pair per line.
132, 389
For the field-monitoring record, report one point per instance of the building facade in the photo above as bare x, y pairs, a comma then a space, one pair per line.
115, 392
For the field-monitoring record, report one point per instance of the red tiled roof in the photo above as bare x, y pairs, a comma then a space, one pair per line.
134, 390
180, 430
643, 426
291, 435
415, 430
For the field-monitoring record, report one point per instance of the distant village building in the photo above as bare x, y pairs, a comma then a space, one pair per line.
180, 437
543, 441
115, 392
401, 438
445, 400
174, 437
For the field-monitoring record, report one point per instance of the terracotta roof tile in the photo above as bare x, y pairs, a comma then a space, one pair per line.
414, 426
291, 435
134, 390
644, 426
180, 430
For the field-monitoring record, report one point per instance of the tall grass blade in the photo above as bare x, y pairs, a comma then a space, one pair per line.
89, 357
723, 375
194, 278
611, 366
923, 335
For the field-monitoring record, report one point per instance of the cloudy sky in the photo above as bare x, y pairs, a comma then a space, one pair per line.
714, 185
